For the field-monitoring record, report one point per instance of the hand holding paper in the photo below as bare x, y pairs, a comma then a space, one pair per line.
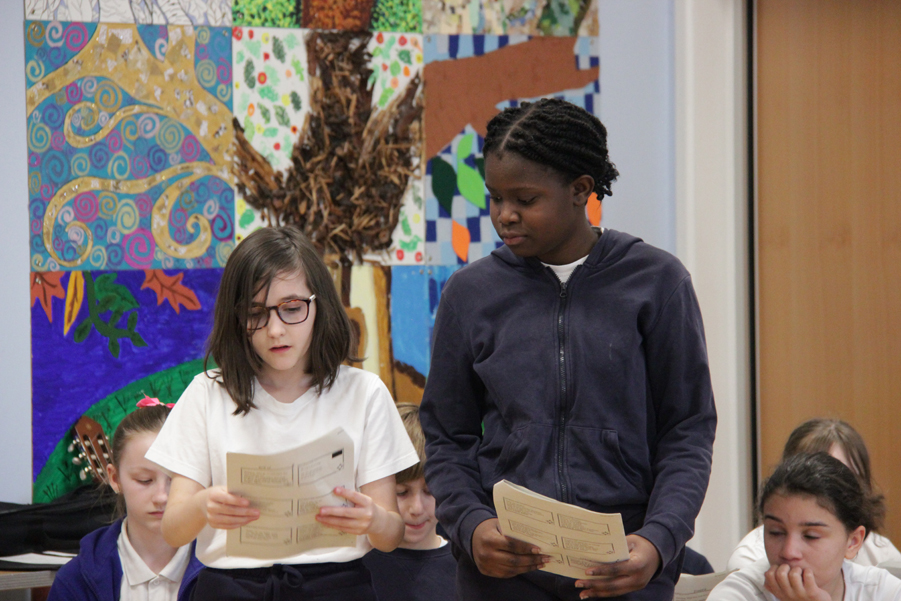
616, 579
501, 556
572, 539
227, 511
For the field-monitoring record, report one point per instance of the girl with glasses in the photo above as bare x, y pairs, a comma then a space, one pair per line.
279, 338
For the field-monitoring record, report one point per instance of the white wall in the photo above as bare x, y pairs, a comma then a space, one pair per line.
712, 240
15, 318
673, 98
637, 107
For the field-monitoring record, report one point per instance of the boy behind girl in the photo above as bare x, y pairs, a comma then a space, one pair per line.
422, 567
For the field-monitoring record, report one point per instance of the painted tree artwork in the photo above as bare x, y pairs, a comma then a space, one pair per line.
352, 15
160, 133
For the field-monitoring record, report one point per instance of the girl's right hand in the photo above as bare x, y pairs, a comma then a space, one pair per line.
794, 584
502, 557
226, 511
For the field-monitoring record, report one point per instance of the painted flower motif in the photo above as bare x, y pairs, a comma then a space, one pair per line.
265, 38
251, 109
261, 78
237, 33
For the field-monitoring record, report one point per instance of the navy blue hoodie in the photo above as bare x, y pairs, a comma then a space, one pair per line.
595, 393
95, 574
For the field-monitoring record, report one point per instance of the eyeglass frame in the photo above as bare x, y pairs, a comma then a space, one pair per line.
308, 301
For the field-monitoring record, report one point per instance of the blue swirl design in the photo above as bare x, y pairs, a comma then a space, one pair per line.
55, 167
99, 155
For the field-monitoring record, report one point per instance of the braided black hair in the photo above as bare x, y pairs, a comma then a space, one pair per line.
557, 134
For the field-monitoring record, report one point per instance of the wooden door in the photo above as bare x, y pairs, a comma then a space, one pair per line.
829, 225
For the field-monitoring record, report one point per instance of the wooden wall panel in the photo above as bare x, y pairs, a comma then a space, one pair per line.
829, 224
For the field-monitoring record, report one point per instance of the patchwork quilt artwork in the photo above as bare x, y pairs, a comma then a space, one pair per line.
216, 13
160, 133
458, 225
100, 341
129, 135
355, 15
532, 17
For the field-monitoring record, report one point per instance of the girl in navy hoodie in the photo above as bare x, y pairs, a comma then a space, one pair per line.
570, 361
129, 560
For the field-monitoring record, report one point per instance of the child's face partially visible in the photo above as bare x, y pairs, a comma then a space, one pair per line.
533, 211
143, 484
799, 532
417, 508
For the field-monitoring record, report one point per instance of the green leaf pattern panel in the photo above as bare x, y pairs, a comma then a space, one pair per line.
271, 99
396, 59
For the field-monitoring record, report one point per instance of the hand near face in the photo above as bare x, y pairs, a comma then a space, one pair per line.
501, 557
794, 584
611, 580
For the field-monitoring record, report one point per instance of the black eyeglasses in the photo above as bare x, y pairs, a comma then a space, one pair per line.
291, 313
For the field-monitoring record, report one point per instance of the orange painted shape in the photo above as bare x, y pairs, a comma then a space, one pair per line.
595, 209
460, 240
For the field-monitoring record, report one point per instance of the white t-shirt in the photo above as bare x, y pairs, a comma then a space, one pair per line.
862, 583
202, 428
140, 583
876, 549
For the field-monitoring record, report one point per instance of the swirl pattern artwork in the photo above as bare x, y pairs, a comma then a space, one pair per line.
129, 129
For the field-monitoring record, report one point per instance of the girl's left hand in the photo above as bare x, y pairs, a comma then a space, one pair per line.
793, 584
363, 518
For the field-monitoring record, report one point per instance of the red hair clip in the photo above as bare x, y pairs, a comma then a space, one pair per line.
152, 402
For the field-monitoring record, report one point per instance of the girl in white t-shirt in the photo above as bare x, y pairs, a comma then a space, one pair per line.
815, 517
129, 560
843, 442
279, 338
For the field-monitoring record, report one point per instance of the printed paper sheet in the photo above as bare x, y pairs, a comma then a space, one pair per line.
575, 538
697, 588
289, 488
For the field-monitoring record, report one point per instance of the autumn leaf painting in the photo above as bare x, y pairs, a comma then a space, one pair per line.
170, 288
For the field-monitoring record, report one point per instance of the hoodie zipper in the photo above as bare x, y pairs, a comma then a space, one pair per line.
561, 366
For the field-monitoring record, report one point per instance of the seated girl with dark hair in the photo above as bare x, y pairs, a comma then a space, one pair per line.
815, 516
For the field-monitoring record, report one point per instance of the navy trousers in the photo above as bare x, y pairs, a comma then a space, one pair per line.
318, 581
543, 586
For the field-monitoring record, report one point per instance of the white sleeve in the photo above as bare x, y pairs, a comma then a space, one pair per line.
748, 551
182, 447
738, 586
385, 449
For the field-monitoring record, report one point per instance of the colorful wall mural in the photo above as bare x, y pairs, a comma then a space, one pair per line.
161, 134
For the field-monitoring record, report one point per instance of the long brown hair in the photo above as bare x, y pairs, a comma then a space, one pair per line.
819, 435
250, 269
139, 421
